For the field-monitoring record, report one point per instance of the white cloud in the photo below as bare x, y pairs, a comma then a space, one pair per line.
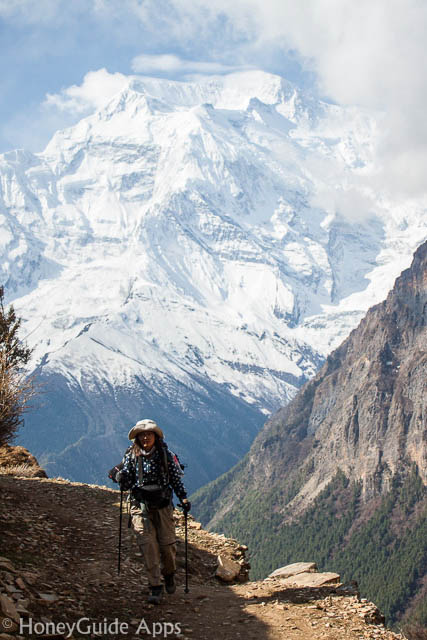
97, 87
172, 64
370, 53
367, 53
351, 202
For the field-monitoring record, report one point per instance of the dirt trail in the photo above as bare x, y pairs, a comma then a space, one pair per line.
59, 565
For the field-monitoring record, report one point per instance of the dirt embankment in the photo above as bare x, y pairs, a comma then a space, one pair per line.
59, 567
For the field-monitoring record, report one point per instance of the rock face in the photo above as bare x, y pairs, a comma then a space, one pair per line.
363, 413
363, 416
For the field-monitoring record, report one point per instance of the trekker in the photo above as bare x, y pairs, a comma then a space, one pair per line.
149, 471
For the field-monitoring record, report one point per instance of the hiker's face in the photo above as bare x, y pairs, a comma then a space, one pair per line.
146, 440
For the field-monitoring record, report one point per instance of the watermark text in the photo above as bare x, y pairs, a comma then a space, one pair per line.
85, 626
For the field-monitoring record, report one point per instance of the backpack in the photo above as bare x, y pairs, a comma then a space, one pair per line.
178, 464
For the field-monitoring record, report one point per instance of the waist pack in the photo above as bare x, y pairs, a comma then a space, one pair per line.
153, 495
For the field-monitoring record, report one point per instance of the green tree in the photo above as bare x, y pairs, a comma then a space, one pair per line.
15, 353
16, 388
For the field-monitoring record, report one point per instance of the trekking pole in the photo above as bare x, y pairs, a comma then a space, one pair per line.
120, 530
186, 590
186, 552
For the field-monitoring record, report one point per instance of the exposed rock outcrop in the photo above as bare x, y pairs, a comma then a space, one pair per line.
364, 412
294, 569
360, 423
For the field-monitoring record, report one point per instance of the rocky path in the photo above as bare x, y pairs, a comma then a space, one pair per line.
58, 566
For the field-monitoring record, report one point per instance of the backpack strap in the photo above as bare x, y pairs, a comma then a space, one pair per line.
164, 456
139, 469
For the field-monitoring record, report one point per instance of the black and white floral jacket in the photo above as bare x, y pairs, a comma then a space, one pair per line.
153, 472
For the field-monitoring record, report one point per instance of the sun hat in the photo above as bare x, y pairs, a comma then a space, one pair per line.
145, 425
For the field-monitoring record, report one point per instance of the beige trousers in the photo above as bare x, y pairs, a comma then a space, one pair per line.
155, 534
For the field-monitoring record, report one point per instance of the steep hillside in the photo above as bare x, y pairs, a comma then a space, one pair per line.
342, 470
191, 253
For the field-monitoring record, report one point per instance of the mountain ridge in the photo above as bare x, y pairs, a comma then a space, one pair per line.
193, 253
342, 469
298, 424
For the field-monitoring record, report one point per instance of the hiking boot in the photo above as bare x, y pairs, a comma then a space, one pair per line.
155, 595
170, 583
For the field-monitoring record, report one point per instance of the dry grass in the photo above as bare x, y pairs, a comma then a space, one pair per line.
20, 470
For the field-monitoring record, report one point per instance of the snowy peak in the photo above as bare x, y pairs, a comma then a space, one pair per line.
126, 113
232, 91
221, 168
199, 236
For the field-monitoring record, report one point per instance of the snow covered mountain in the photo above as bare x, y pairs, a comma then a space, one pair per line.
191, 253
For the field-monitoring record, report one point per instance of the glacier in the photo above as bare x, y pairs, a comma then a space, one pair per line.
191, 253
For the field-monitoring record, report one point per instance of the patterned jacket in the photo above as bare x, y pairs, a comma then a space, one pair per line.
152, 472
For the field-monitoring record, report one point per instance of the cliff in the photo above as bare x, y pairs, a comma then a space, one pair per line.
356, 431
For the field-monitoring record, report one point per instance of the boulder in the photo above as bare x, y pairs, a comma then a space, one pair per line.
312, 579
228, 569
294, 569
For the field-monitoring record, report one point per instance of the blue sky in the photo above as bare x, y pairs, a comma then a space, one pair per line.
60, 59
48, 46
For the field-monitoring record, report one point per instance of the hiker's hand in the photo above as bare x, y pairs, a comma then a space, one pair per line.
112, 474
186, 505
124, 480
